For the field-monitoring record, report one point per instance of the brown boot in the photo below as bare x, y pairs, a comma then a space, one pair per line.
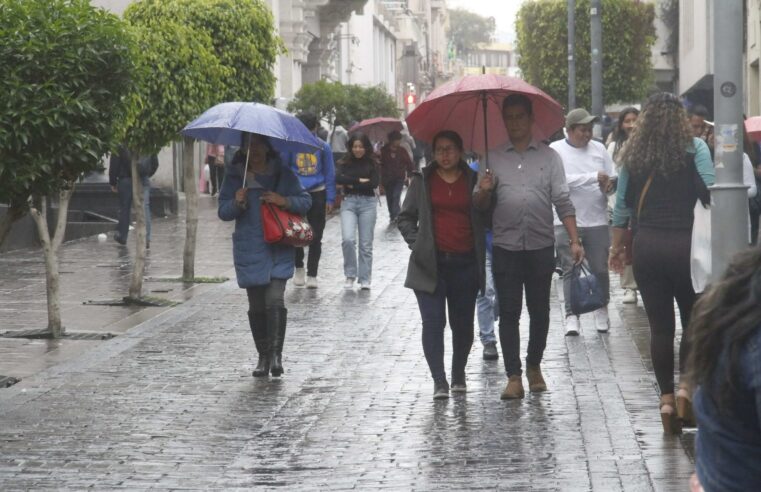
514, 389
536, 382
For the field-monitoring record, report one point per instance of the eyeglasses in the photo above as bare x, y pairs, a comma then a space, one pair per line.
446, 150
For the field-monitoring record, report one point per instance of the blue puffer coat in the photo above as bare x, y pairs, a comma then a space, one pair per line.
256, 262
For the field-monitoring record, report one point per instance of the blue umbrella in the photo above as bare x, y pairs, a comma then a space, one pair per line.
225, 123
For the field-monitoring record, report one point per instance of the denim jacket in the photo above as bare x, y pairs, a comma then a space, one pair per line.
728, 447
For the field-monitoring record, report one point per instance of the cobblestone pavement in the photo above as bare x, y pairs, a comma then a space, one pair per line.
170, 403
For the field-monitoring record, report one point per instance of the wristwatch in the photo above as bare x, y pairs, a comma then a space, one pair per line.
571, 241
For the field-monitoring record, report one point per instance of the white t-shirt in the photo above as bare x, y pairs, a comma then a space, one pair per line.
581, 167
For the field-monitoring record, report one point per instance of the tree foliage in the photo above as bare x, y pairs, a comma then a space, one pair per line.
467, 29
628, 35
331, 100
66, 70
243, 39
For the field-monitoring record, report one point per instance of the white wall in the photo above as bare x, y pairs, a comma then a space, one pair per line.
695, 48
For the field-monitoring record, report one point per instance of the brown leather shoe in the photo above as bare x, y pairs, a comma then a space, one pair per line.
536, 382
514, 389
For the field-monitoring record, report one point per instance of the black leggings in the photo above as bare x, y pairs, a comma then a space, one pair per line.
264, 297
661, 265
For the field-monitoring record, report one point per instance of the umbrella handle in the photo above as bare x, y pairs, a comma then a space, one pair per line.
245, 168
486, 132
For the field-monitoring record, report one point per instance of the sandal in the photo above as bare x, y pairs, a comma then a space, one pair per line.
684, 406
669, 418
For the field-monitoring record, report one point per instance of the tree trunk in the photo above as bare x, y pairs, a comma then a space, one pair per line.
138, 269
50, 247
191, 210
13, 214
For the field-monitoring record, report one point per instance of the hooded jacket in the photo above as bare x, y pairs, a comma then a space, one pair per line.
415, 222
257, 262
315, 170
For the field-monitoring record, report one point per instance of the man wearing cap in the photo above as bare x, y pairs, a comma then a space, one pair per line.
524, 183
591, 177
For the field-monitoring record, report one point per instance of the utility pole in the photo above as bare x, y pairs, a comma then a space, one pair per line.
729, 214
595, 16
571, 59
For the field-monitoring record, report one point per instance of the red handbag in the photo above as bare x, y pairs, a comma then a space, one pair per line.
283, 227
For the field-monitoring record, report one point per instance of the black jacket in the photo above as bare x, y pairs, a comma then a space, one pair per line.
416, 225
350, 171
120, 165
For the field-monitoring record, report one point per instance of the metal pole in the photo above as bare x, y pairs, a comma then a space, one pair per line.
729, 214
595, 16
571, 59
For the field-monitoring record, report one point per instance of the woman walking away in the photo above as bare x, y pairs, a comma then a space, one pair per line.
446, 266
261, 268
725, 364
627, 118
359, 177
665, 170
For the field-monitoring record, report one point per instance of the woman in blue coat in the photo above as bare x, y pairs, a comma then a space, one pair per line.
261, 268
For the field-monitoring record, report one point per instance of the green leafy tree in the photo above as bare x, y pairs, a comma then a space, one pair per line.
628, 35
66, 71
467, 29
332, 100
178, 76
245, 44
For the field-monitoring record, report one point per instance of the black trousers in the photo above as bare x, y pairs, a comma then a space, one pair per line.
316, 218
513, 271
661, 266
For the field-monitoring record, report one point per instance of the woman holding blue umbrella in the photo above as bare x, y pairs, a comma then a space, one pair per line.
257, 175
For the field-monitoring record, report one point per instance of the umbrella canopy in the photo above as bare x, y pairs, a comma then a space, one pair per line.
753, 128
459, 105
377, 129
226, 122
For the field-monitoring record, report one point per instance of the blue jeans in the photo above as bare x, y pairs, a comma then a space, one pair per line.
124, 188
455, 295
393, 197
358, 212
487, 306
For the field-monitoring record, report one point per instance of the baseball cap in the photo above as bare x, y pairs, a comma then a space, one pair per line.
579, 116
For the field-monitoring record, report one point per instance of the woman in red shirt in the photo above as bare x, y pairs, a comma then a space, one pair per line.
446, 267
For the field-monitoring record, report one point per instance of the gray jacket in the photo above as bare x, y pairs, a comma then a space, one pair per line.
416, 225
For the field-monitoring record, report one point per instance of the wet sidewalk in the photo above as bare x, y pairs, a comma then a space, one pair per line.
169, 403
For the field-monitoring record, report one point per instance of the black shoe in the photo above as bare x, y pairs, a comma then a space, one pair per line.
258, 323
147, 244
276, 321
490, 351
458, 383
119, 239
440, 390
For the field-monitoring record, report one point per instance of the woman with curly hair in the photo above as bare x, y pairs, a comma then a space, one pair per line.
664, 171
725, 364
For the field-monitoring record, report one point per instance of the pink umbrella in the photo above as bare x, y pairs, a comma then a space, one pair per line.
472, 106
753, 128
377, 129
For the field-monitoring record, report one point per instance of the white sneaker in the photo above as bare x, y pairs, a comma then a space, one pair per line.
349, 283
364, 285
298, 277
601, 320
572, 325
629, 297
311, 282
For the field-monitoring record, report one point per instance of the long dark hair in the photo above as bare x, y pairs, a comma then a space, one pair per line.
619, 134
365, 140
726, 315
660, 139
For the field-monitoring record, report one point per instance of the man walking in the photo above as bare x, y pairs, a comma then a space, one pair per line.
338, 139
396, 167
525, 181
120, 179
318, 176
591, 175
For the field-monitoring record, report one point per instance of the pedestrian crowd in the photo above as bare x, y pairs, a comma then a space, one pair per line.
487, 232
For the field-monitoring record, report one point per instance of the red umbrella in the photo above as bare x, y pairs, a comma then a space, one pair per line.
753, 127
472, 106
377, 129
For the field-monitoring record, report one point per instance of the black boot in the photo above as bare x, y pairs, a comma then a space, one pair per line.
276, 320
258, 324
